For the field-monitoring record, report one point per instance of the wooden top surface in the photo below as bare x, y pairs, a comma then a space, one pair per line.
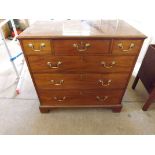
81, 29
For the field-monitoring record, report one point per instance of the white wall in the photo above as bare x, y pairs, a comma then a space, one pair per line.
141, 12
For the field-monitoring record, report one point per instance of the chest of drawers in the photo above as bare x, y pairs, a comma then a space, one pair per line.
81, 63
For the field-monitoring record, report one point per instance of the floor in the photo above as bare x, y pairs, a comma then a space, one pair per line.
19, 114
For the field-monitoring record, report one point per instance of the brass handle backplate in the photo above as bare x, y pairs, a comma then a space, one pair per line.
120, 45
102, 99
54, 66
60, 99
108, 65
42, 45
57, 83
82, 46
105, 84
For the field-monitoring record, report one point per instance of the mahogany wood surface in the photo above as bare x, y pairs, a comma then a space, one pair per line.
81, 29
36, 43
126, 46
76, 64
65, 47
81, 63
83, 97
80, 81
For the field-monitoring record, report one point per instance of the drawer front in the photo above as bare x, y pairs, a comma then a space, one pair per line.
77, 47
37, 47
79, 98
80, 81
75, 64
126, 46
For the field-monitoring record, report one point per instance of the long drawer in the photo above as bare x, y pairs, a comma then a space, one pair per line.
81, 46
80, 98
81, 81
77, 64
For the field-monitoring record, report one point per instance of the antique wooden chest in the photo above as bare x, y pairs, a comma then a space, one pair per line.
81, 63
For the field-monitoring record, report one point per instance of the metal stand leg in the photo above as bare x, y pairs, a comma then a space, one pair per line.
9, 53
19, 75
20, 79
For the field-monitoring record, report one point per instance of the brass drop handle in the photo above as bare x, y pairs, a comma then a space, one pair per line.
105, 84
108, 65
60, 99
54, 66
42, 45
81, 47
102, 99
57, 83
120, 45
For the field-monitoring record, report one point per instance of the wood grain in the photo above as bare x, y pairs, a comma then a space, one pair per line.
81, 98
65, 47
75, 64
81, 29
80, 81
36, 43
85, 74
126, 46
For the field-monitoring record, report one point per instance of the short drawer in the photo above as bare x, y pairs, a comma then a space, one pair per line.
76, 64
78, 47
80, 98
37, 47
81, 81
126, 46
